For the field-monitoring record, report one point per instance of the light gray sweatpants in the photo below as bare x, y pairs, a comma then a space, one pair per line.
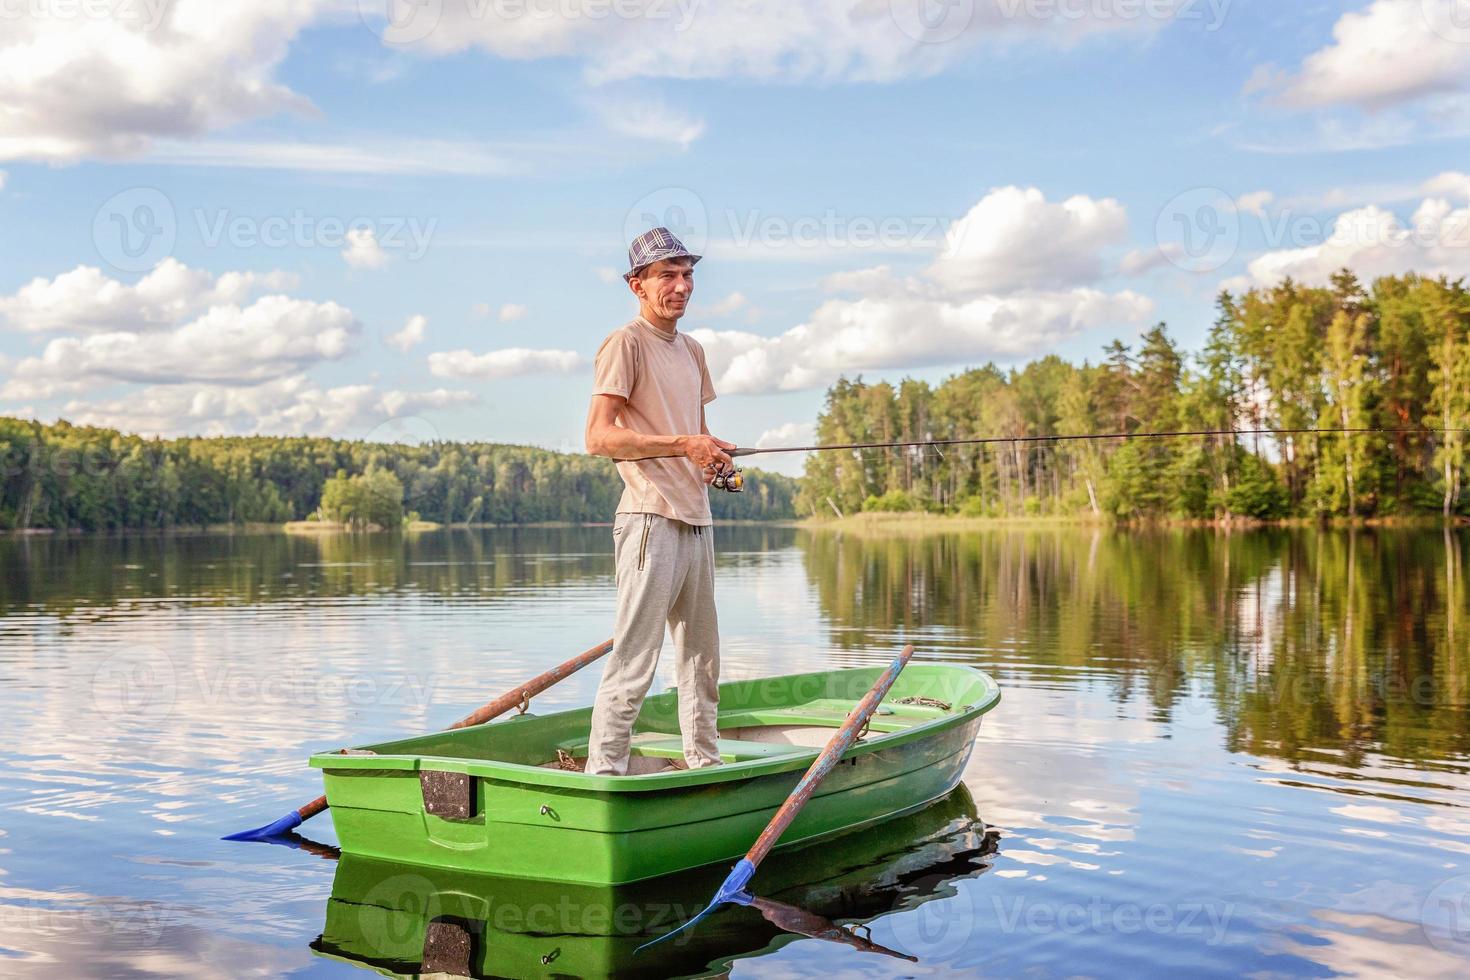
665, 574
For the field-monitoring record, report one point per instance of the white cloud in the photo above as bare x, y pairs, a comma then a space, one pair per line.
1391, 52
511, 362
85, 299
411, 335
607, 274
1374, 242
3, 178
864, 282
852, 40
1015, 239
511, 312
78, 86
907, 331
649, 118
292, 405
1451, 183
1011, 280
730, 304
227, 344
363, 250
1255, 202
1141, 260
434, 157
154, 75
789, 434
480, 310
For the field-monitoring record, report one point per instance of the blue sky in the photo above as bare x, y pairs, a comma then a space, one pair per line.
873, 196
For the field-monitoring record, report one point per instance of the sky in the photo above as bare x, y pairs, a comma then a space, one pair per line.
408, 219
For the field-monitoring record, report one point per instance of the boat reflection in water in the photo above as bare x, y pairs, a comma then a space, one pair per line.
405, 920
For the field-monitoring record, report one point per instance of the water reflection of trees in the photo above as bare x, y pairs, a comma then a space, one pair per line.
1307, 643
64, 573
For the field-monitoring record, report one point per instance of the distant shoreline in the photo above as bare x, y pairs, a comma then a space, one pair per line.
332, 527
920, 522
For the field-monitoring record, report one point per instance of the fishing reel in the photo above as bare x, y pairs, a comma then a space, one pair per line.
731, 480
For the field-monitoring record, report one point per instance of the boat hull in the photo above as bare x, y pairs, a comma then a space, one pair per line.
394, 917
528, 821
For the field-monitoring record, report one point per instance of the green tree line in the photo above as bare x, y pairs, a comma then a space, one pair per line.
1393, 356
64, 476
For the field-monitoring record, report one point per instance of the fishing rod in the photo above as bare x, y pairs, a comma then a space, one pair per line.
734, 482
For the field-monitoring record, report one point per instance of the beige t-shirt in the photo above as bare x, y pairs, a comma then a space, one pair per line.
663, 376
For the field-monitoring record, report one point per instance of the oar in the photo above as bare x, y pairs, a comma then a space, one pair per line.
791, 918
733, 889
516, 698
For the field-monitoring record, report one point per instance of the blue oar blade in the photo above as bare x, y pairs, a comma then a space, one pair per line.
732, 890
277, 828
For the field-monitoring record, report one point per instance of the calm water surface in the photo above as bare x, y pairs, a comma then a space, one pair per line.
1219, 754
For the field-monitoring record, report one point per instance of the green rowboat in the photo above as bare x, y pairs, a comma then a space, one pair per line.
501, 799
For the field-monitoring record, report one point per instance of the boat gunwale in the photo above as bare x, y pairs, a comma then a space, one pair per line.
540, 776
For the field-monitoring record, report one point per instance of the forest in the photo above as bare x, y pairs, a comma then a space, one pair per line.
1394, 356
61, 476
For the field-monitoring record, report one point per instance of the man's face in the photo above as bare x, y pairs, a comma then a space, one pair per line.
666, 287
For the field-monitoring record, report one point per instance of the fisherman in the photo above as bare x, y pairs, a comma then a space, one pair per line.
649, 390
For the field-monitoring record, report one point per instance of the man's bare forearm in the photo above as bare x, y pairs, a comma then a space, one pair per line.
617, 442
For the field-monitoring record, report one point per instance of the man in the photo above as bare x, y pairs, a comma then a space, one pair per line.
648, 396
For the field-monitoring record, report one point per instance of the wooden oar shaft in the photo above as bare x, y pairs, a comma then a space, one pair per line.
531, 688
830, 756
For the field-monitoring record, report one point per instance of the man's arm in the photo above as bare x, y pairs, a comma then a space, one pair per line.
604, 438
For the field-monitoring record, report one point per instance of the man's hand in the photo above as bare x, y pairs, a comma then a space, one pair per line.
707, 452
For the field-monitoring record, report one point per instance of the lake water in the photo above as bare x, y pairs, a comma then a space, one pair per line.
1217, 754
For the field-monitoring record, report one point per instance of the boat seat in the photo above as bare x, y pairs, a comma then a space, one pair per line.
731, 750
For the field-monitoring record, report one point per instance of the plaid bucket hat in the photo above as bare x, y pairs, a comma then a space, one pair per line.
655, 245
